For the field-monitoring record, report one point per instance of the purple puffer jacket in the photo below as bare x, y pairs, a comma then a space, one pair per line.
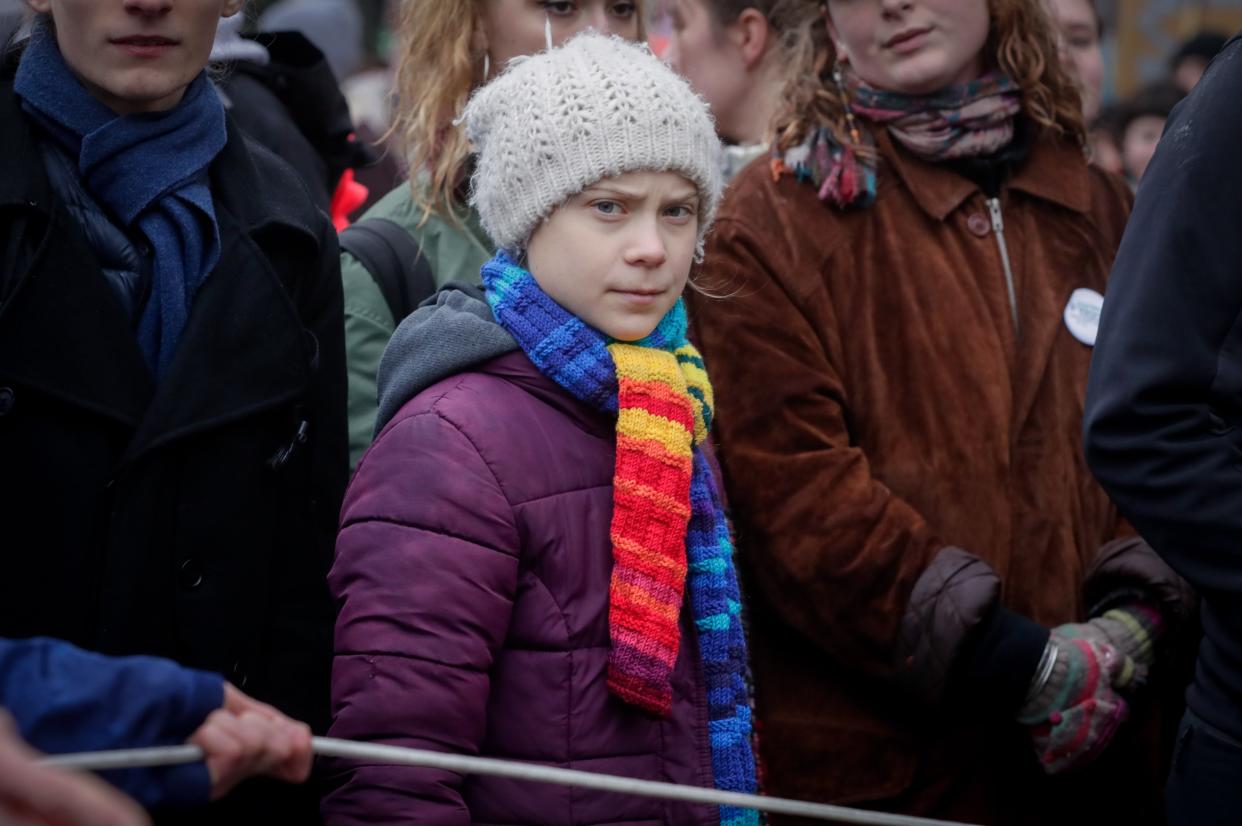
472, 575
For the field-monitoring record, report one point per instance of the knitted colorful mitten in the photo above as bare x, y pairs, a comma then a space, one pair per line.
1132, 629
1072, 710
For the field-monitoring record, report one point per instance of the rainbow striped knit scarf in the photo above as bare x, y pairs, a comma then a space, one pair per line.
669, 529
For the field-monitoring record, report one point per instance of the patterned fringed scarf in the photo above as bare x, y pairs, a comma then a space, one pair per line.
969, 120
669, 529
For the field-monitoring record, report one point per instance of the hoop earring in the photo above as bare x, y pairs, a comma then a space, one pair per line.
487, 66
547, 30
838, 77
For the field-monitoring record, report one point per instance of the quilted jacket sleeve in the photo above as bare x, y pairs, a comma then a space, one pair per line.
845, 561
425, 575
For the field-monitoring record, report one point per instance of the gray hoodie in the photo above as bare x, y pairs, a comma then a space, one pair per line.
452, 331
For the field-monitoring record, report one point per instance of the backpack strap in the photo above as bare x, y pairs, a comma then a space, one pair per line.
394, 260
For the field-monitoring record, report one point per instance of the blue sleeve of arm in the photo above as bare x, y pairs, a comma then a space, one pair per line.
65, 699
1163, 424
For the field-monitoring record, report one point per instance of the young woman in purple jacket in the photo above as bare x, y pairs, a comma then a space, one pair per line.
534, 562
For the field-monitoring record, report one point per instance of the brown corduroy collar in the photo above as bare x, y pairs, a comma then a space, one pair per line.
1055, 170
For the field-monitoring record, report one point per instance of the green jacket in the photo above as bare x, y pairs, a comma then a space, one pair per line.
455, 251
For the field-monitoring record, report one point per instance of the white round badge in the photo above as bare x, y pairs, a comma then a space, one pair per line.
1082, 315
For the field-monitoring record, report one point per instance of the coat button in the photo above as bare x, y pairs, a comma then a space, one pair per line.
979, 224
7, 400
191, 574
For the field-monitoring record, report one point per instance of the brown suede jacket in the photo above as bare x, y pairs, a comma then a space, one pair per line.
902, 458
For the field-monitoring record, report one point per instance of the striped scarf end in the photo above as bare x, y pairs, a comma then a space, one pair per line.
654, 699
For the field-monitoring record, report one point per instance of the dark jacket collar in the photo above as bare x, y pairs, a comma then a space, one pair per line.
245, 347
255, 186
1055, 170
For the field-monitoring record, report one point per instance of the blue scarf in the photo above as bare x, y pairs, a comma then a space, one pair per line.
660, 392
149, 170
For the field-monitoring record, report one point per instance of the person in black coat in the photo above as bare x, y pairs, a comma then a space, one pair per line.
1163, 428
172, 380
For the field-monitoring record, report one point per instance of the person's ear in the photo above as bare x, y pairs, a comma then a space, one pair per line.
40, 6
231, 7
753, 35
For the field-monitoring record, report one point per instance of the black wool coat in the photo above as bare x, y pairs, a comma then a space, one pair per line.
1163, 424
194, 519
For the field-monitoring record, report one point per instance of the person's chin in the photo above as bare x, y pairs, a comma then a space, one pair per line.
921, 74
149, 89
629, 331
630, 336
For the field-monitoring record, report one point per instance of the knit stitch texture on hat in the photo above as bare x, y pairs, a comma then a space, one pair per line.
555, 123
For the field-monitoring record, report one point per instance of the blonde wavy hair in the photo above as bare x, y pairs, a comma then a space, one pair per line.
437, 70
1022, 43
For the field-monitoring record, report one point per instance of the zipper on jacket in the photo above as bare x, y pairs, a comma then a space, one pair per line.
998, 227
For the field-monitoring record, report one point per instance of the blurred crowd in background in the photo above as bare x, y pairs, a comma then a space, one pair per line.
1129, 89
357, 37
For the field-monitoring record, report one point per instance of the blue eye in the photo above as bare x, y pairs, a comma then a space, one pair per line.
679, 212
607, 207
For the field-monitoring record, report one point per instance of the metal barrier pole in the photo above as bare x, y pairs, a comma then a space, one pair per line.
531, 772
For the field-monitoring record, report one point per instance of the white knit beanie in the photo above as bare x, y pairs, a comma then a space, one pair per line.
555, 123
